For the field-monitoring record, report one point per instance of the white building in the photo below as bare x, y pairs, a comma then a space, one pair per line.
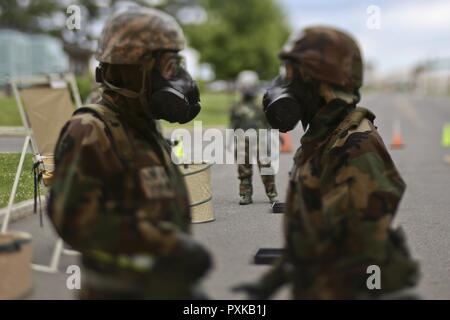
434, 77
23, 55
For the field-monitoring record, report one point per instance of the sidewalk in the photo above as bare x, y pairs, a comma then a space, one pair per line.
22, 210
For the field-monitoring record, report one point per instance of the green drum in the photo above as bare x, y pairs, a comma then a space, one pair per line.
198, 180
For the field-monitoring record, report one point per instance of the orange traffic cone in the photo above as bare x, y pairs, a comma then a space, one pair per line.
286, 143
397, 138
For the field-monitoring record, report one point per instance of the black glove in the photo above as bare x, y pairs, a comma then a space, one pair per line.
189, 257
253, 290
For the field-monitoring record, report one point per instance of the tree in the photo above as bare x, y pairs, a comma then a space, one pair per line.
25, 15
240, 34
237, 34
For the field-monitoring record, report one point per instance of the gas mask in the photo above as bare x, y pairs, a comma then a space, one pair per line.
249, 94
290, 100
168, 92
174, 95
283, 111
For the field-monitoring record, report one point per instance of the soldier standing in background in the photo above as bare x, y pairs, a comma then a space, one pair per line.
344, 188
116, 196
248, 114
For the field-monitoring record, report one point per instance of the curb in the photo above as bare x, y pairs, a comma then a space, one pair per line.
13, 132
21, 210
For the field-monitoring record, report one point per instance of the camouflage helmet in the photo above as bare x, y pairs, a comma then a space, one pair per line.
132, 36
326, 54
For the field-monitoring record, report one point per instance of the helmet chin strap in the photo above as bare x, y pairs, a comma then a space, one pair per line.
143, 97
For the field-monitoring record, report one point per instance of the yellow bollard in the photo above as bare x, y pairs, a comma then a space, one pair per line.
446, 136
178, 149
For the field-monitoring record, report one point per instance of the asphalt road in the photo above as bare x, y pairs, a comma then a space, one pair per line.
12, 144
238, 231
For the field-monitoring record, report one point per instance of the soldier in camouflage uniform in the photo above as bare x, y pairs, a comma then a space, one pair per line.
245, 115
116, 196
344, 188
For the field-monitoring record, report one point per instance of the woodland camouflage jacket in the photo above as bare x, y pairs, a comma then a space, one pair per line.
343, 194
107, 202
247, 115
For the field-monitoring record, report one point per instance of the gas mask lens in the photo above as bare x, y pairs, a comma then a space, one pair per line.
170, 65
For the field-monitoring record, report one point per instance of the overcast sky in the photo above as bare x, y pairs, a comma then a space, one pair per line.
410, 30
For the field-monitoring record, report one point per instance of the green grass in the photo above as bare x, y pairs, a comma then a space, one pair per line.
8, 167
9, 113
214, 111
215, 108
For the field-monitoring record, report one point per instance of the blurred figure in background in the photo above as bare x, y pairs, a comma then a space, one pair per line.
117, 197
248, 114
344, 187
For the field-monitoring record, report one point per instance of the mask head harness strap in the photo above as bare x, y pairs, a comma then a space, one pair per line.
146, 67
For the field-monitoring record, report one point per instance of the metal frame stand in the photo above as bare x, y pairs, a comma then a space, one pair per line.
70, 80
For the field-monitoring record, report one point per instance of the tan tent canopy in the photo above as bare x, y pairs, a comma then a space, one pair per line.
48, 110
